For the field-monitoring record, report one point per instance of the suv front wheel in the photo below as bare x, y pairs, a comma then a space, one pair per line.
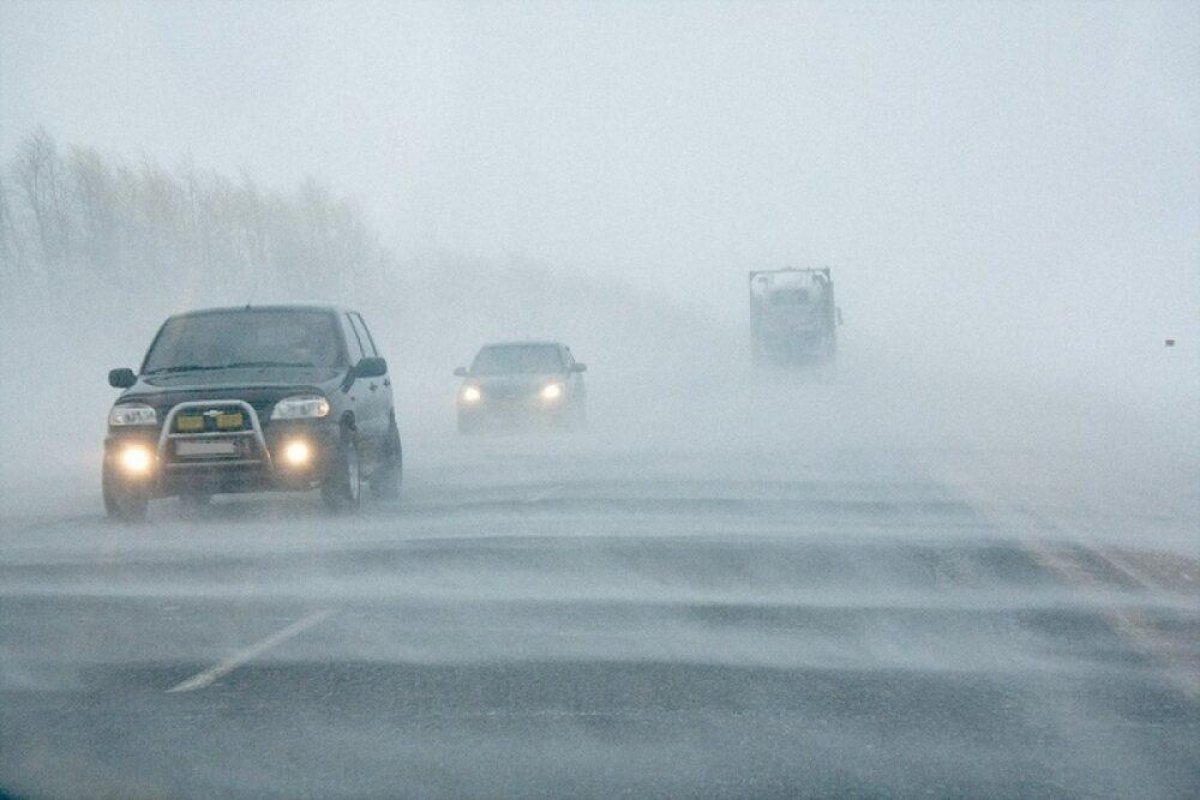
385, 482
342, 487
122, 501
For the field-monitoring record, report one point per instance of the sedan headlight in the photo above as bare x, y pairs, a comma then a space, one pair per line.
132, 414
552, 391
305, 406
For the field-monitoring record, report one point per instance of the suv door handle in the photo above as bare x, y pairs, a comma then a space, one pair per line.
373, 386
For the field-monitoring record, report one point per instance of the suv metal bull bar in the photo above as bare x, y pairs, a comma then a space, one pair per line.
166, 437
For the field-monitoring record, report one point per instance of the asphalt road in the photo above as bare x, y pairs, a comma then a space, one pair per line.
554, 616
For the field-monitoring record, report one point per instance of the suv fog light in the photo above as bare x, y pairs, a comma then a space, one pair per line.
297, 453
136, 459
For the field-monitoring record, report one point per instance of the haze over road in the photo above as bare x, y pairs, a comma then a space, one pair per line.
780, 612
965, 564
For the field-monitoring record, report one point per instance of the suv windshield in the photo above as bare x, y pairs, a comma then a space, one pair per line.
517, 358
245, 338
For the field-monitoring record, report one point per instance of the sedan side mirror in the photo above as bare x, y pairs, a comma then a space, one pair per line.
121, 378
370, 367
578, 367
460, 372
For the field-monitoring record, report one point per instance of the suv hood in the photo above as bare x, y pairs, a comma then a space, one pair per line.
261, 395
236, 378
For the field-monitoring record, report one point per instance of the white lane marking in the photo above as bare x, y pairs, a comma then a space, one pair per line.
215, 673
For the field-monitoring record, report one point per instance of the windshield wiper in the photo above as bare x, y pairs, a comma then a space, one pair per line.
249, 364
180, 368
233, 365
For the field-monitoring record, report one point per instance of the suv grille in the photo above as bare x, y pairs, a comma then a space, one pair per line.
215, 419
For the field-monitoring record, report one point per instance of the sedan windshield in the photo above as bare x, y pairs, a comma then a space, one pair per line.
245, 339
503, 359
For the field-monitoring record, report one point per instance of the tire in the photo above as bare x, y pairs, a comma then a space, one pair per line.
342, 488
385, 483
121, 501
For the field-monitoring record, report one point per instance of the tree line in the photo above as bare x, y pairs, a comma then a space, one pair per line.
74, 222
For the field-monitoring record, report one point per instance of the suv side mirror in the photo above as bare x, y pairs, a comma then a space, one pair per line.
370, 367
578, 367
121, 378
460, 372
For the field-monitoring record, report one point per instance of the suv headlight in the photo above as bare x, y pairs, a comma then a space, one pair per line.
132, 414
304, 406
552, 391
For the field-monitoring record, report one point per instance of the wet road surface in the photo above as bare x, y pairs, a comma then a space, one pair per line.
538, 617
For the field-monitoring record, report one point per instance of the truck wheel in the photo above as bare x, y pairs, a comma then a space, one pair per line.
342, 488
385, 483
121, 501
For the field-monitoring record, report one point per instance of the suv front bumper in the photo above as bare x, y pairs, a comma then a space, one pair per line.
283, 455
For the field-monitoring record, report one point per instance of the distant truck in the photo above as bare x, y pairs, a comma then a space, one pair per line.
793, 318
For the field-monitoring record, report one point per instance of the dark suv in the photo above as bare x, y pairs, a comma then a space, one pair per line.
252, 399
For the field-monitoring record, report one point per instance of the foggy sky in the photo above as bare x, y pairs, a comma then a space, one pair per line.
1024, 174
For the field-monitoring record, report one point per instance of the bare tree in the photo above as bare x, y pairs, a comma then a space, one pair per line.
11, 246
38, 175
95, 200
91, 222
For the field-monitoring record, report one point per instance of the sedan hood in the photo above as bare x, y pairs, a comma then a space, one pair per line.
512, 385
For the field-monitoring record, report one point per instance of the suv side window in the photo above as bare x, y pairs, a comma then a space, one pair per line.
353, 344
364, 336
